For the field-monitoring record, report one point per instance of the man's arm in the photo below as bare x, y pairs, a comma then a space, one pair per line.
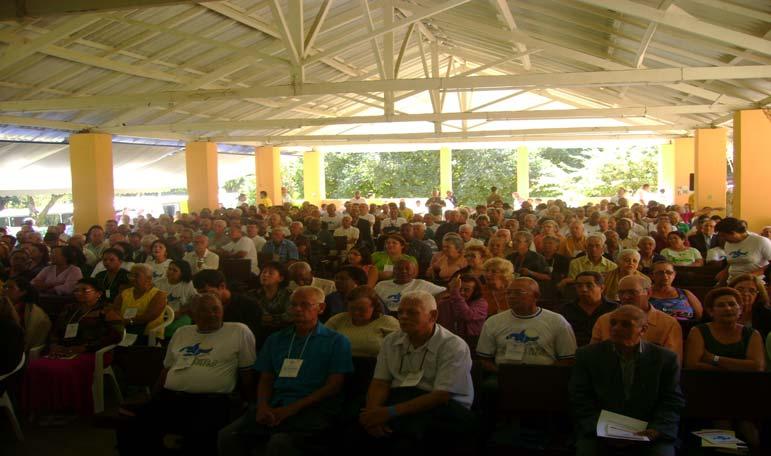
377, 394
666, 417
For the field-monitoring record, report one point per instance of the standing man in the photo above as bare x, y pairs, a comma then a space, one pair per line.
301, 371
629, 376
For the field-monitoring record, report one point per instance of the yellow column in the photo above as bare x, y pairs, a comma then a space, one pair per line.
202, 182
710, 168
267, 162
667, 168
314, 185
523, 172
445, 170
92, 184
752, 141
684, 153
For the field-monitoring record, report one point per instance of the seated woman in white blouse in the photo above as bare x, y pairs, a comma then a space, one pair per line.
364, 323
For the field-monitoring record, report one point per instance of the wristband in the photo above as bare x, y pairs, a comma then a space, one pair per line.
392, 411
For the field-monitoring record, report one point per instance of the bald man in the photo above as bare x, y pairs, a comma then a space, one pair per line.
649, 389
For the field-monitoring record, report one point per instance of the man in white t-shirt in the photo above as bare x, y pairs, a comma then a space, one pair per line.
525, 334
203, 364
391, 291
332, 218
747, 253
351, 233
240, 246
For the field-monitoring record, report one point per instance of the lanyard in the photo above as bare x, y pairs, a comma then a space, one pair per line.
401, 362
291, 342
106, 285
81, 317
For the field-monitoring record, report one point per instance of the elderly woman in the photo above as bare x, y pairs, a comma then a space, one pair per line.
498, 274
179, 290
526, 262
141, 305
61, 276
724, 344
475, 257
364, 323
159, 261
449, 261
756, 309
22, 296
548, 228
114, 278
676, 302
575, 242
62, 380
628, 260
646, 246
386, 260
463, 310
678, 253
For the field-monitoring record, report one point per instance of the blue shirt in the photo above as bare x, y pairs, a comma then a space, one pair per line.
286, 251
327, 352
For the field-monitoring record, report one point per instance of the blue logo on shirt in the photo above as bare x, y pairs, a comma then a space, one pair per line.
194, 350
738, 253
522, 337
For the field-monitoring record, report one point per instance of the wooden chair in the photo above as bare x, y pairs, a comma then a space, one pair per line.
533, 390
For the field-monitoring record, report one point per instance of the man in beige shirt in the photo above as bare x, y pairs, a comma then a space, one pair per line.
661, 329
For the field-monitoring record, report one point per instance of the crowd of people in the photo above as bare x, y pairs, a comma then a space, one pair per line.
420, 295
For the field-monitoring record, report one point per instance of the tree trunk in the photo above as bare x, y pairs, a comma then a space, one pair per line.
40, 217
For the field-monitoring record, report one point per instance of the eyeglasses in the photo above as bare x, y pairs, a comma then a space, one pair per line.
744, 290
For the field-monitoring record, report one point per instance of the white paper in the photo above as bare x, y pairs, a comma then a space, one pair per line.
128, 340
71, 331
614, 426
290, 368
719, 438
130, 312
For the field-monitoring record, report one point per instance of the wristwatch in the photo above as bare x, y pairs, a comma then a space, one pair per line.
715, 360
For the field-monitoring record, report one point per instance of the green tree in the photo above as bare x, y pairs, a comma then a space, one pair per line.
475, 171
630, 168
385, 174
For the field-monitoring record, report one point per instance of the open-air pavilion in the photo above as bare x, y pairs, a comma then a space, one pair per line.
256, 76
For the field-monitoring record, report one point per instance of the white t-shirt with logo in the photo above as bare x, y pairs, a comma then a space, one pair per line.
244, 244
746, 256
208, 362
391, 292
542, 338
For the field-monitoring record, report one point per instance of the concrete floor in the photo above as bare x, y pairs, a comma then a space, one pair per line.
79, 438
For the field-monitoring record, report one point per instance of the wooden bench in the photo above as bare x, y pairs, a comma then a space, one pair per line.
713, 394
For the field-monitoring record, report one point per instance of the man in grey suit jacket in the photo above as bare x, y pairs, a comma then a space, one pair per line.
629, 376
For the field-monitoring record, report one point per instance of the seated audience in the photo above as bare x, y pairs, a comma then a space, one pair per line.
463, 310
201, 257
301, 275
20, 266
283, 250
61, 276
678, 253
386, 260
648, 390
239, 247
417, 248
350, 233
705, 237
159, 261
583, 313
592, 261
498, 274
756, 311
204, 363
475, 257
628, 261
449, 260
526, 262
302, 368
677, 302
363, 323
114, 278
346, 279
548, 228
22, 297
527, 334
575, 242
179, 290
359, 257
646, 246
421, 391
61, 381
556, 265
662, 329
141, 306
391, 291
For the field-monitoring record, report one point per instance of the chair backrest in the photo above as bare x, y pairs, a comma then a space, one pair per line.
705, 394
141, 365
536, 390
15, 369
236, 269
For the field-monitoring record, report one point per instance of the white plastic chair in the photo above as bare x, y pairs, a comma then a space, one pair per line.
158, 332
97, 389
5, 401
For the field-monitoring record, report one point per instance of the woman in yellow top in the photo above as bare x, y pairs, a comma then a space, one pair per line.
141, 306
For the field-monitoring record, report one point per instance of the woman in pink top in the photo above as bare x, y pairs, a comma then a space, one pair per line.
61, 276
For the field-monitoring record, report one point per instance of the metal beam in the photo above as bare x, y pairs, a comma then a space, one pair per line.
508, 19
488, 116
664, 76
316, 27
22, 9
680, 20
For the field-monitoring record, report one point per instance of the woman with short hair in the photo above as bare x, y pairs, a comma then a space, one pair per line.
159, 261
61, 276
179, 290
364, 323
385, 260
678, 253
756, 309
463, 310
449, 260
628, 260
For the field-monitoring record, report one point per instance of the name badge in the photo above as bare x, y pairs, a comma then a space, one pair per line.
71, 331
290, 368
412, 379
184, 362
129, 313
108, 293
515, 351
388, 268
128, 340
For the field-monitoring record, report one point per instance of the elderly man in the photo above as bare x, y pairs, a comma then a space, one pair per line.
592, 261
301, 375
393, 223
526, 334
204, 363
332, 218
417, 248
662, 329
349, 232
240, 246
466, 232
648, 390
283, 250
583, 312
201, 257
421, 391
404, 281
218, 238
253, 233
301, 275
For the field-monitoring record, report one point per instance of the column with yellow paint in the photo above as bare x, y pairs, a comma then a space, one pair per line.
92, 179
202, 180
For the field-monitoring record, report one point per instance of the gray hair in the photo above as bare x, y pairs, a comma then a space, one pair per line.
524, 235
310, 289
629, 253
148, 239
144, 267
455, 239
465, 227
300, 266
599, 236
426, 299
647, 238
